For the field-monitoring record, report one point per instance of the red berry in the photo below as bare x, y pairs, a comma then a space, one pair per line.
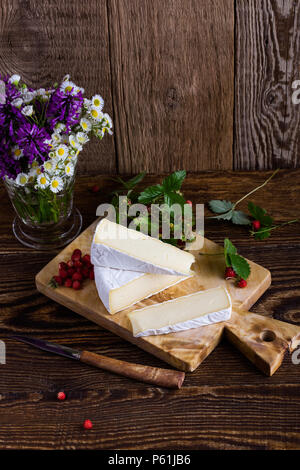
91, 275
63, 273
256, 224
87, 424
129, 202
77, 277
76, 285
85, 272
242, 283
86, 259
78, 264
76, 256
63, 266
229, 273
71, 271
58, 280
189, 203
68, 282
70, 263
95, 188
61, 396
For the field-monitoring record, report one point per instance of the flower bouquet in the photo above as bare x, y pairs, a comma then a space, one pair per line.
42, 133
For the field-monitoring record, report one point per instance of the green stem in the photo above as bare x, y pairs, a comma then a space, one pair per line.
268, 229
256, 189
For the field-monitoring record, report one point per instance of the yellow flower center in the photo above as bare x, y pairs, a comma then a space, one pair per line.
43, 180
68, 169
38, 171
84, 125
97, 102
94, 113
73, 143
17, 152
61, 152
23, 179
69, 88
54, 183
48, 166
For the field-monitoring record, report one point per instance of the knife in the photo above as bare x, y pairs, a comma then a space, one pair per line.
152, 375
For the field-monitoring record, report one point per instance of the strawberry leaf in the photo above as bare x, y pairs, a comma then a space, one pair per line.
147, 196
220, 207
240, 266
229, 249
174, 181
260, 214
240, 218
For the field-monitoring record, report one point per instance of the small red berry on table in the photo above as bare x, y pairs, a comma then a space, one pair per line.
91, 275
189, 203
58, 280
61, 396
242, 283
256, 224
87, 424
95, 188
77, 277
68, 282
76, 285
229, 273
86, 259
63, 273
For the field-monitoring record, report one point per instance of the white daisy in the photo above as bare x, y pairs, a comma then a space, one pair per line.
87, 103
69, 169
17, 102
60, 127
17, 152
56, 138
42, 181
62, 151
96, 114
99, 133
14, 79
68, 87
86, 125
56, 184
28, 96
48, 165
22, 179
27, 110
82, 138
74, 142
51, 154
108, 120
98, 102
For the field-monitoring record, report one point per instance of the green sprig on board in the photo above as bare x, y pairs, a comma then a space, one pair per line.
235, 261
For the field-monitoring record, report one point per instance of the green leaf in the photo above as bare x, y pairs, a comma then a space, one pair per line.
135, 180
260, 214
219, 207
262, 234
240, 218
174, 198
151, 193
229, 249
174, 181
240, 266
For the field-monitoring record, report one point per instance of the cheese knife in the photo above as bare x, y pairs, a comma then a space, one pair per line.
152, 375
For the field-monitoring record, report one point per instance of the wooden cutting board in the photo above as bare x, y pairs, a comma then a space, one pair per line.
263, 340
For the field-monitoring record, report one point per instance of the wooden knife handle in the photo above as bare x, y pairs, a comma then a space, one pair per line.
152, 375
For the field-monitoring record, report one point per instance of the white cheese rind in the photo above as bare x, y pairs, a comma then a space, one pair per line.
191, 311
120, 289
116, 246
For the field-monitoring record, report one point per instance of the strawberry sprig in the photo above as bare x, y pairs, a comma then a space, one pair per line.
236, 266
263, 224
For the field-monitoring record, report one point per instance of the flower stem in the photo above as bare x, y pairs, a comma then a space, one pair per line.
255, 189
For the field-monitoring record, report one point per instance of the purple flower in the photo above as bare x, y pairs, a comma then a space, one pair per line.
10, 116
32, 140
64, 107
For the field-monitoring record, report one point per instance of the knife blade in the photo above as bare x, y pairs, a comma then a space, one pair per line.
153, 375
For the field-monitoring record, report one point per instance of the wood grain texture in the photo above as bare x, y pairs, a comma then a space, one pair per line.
172, 79
42, 40
225, 404
267, 60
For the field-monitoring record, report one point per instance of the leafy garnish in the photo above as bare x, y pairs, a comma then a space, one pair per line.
220, 207
258, 213
239, 264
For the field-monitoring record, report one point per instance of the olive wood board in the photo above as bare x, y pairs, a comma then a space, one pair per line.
262, 339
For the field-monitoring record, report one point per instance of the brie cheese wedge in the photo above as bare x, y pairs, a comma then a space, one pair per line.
120, 289
116, 246
184, 313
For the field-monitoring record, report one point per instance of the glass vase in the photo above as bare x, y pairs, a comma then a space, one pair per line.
45, 220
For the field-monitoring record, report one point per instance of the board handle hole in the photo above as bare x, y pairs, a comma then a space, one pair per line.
268, 336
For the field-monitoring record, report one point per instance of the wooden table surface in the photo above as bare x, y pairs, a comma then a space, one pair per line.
225, 404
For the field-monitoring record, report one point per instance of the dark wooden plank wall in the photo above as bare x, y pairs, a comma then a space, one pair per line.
166, 71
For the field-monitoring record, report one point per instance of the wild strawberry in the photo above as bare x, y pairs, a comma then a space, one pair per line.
76, 285
58, 280
77, 277
71, 271
68, 282
242, 283
86, 259
229, 273
63, 266
91, 275
76, 256
256, 224
63, 273
70, 263
85, 272
61, 396
189, 203
95, 188
78, 264
87, 424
